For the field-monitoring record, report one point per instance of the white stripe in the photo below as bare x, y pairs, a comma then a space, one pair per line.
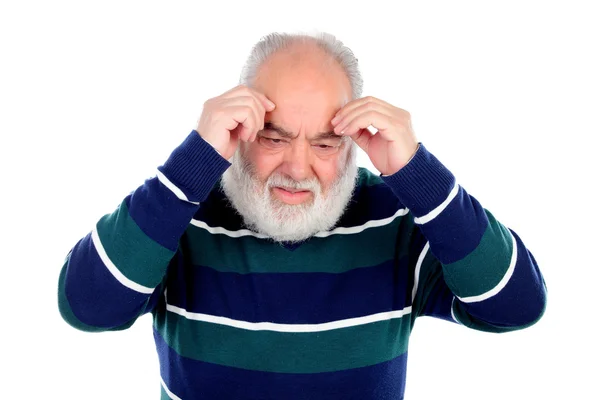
438, 210
418, 269
290, 328
369, 224
169, 393
336, 231
223, 231
501, 284
113, 268
171, 186
452, 311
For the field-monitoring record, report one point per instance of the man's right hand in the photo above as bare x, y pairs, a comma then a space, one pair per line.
237, 114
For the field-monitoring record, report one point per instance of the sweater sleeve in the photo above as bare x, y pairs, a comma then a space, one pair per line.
113, 274
472, 269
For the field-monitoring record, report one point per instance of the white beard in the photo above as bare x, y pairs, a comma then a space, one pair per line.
282, 222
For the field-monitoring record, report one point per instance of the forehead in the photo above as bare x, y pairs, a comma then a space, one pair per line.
308, 89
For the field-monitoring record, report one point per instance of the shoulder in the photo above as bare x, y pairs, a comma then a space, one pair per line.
372, 199
217, 211
370, 188
367, 178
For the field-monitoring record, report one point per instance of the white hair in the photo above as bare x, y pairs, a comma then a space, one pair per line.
276, 41
282, 222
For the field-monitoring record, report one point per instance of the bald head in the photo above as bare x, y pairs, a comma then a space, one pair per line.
325, 51
304, 76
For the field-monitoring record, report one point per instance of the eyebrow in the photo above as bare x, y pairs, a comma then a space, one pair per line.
289, 135
327, 135
280, 131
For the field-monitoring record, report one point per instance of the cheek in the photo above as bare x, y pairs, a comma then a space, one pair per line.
264, 162
326, 170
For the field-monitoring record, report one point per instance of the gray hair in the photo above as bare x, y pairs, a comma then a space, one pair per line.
274, 42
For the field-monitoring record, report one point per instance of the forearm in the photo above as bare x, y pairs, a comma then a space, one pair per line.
493, 277
109, 275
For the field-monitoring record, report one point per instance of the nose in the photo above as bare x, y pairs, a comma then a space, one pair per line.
296, 162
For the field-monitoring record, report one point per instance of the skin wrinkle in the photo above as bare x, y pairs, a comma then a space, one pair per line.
308, 90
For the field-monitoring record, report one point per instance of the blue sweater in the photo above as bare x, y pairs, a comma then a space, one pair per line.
238, 316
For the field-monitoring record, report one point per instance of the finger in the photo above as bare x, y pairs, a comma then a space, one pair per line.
242, 90
362, 139
248, 101
266, 103
252, 102
364, 108
244, 116
380, 121
261, 110
354, 104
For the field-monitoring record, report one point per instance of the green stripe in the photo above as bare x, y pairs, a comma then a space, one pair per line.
368, 178
485, 266
326, 351
137, 256
333, 254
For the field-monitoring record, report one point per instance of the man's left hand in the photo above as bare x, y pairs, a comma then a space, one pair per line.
394, 143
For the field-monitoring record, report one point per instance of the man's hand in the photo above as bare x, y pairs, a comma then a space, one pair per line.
237, 114
394, 143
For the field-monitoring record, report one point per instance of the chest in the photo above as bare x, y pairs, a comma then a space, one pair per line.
330, 304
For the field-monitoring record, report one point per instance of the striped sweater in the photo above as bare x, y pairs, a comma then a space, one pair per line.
238, 316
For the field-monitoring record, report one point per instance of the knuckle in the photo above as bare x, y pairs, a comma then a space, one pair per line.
247, 100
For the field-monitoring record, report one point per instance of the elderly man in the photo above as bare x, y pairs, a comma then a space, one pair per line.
273, 267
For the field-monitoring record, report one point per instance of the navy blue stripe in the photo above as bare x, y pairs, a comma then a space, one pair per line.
423, 183
203, 380
451, 223
94, 294
194, 167
367, 203
160, 214
521, 301
370, 203
439, 300
293, 298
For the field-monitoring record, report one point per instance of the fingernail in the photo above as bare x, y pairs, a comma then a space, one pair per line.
271, 105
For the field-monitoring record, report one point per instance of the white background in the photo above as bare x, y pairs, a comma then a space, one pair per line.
94, 97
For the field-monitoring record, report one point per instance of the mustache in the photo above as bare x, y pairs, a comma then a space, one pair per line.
279, 180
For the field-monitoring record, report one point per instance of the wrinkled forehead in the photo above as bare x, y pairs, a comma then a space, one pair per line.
307, 92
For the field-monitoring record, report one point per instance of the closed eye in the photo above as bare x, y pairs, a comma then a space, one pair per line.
272, 143
325, 149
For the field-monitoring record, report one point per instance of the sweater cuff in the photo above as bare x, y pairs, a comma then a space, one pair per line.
423, 183
194, 167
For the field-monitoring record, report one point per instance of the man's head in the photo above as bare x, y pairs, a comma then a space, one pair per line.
297, 177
